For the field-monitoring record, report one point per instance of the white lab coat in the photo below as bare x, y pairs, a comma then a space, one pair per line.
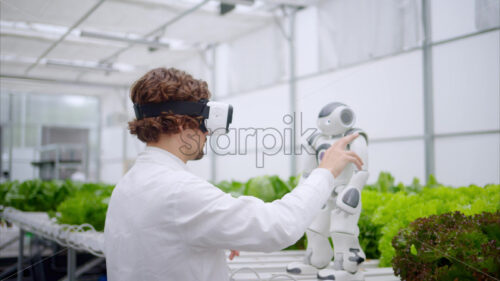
165, 223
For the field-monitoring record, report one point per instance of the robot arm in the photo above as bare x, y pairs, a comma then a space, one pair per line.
349, 199
360, 146
308, 159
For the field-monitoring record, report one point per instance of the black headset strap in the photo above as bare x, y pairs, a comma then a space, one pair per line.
198, 108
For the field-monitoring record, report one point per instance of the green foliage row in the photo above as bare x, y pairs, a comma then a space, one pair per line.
35, 195
267, 188
70, 202
87, 205
449, 246
387, 208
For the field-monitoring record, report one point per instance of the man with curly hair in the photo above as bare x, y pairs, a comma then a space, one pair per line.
165, 223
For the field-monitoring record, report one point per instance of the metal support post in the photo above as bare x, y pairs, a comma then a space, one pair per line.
86, 267
290, 38
212, 66
20, 257
99, 141
11, 134
428, 90
293, 91
56, 163
125, 134
71, 264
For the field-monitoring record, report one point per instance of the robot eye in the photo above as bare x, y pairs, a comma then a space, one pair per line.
346, 116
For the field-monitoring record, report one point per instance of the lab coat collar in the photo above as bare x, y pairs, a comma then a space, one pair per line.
164, 156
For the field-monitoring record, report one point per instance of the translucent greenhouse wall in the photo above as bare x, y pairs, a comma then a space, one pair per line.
379, 75
383, 82
23, 118
367, 55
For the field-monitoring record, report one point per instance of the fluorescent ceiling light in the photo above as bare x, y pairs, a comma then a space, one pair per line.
296, 3
170, 44
113, 37
239, 2
17, 59
90, 65
48, 32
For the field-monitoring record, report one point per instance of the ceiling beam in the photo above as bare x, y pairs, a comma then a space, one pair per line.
211, 7
169, 44
79, 36
158, 29
77, 23
50, 37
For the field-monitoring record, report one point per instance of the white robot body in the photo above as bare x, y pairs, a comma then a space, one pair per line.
339, 217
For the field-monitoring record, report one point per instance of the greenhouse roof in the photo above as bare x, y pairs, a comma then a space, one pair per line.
109, 43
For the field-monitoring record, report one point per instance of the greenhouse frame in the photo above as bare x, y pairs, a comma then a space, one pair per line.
421, 76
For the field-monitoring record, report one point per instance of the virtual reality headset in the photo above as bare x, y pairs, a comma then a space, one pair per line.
216, 115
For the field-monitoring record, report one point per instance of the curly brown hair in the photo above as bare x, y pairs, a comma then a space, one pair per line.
160, 85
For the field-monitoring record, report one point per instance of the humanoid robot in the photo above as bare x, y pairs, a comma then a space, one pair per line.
339, 217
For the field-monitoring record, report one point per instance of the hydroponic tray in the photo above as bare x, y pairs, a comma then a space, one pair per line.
78, 237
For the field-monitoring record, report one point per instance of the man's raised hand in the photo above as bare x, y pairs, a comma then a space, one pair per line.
336, 157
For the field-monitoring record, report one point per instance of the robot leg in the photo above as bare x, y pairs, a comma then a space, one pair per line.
319, 252
347, 251
344, 231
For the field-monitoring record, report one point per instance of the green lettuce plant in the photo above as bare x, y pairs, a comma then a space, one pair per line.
88, 205
4, 189
35, 195
370, 233
267, 188
235, 188
450, 246
401, 209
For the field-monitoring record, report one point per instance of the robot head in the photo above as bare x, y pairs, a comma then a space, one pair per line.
335, 119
